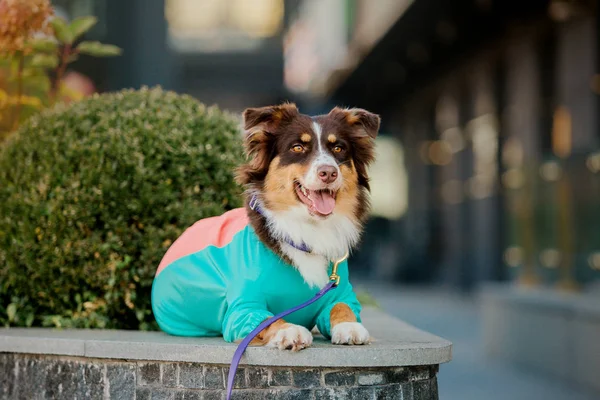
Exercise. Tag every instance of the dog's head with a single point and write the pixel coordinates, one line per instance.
(315, 163)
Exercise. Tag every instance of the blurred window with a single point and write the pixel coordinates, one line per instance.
(388, 179)
(222, 25)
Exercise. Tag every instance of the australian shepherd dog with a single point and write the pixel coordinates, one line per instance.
(306, 199)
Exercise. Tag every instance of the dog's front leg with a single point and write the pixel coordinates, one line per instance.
(344, 327)
(284, 336)
(244, 316)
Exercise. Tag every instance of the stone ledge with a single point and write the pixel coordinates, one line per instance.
(395, 343)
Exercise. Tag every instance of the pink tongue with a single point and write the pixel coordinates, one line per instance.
(323, 202)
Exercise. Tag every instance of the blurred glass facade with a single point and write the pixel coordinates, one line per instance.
(496, 106)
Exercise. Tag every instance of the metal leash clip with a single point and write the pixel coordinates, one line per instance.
(334, 277)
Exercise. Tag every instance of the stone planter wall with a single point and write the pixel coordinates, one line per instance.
(24, 376)
(401, 363)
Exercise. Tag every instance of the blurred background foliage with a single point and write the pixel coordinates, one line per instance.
(35, 49)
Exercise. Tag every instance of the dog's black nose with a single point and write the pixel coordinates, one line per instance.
(327, 173)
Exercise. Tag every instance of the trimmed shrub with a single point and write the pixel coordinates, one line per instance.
(91, 196)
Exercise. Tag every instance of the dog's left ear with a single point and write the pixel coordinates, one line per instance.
(364, 127)
(366, 124)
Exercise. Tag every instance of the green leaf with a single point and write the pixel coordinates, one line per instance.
(98, 49)
(81, 25)
(44, 61)
(28, 72)
(29, 320)
(62, 31)
(33, 72)
(140, 314)
(43, 44)
(11, 311)
(72, 58)
(39, 82)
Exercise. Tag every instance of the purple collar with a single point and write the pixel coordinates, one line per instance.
(254, 205)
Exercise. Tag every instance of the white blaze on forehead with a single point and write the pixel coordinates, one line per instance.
(323, 157)
(318, 132)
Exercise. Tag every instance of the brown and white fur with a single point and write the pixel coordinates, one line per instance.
(291, 157)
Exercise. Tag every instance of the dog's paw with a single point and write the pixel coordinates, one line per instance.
(349, 333)
(291, 337)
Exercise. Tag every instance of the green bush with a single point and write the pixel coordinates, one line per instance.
(91, 196)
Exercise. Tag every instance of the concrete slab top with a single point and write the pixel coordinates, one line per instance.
(395, 343)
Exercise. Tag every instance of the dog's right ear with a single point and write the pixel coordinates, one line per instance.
(268, 119)
(260, 127)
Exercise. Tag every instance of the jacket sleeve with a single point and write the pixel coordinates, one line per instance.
(343, 294)
(247, 308)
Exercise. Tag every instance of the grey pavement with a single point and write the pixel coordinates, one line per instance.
(470, 375)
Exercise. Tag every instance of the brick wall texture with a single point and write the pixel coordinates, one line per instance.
(24, 376)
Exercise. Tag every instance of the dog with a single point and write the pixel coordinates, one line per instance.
(306, 200)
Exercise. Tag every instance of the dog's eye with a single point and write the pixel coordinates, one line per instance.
(338, 149)
(297, 148)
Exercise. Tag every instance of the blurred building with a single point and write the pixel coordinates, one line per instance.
(496, 106)
(489, 165)
(225, 52)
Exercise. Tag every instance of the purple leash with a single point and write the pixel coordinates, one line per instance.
(237, 356)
